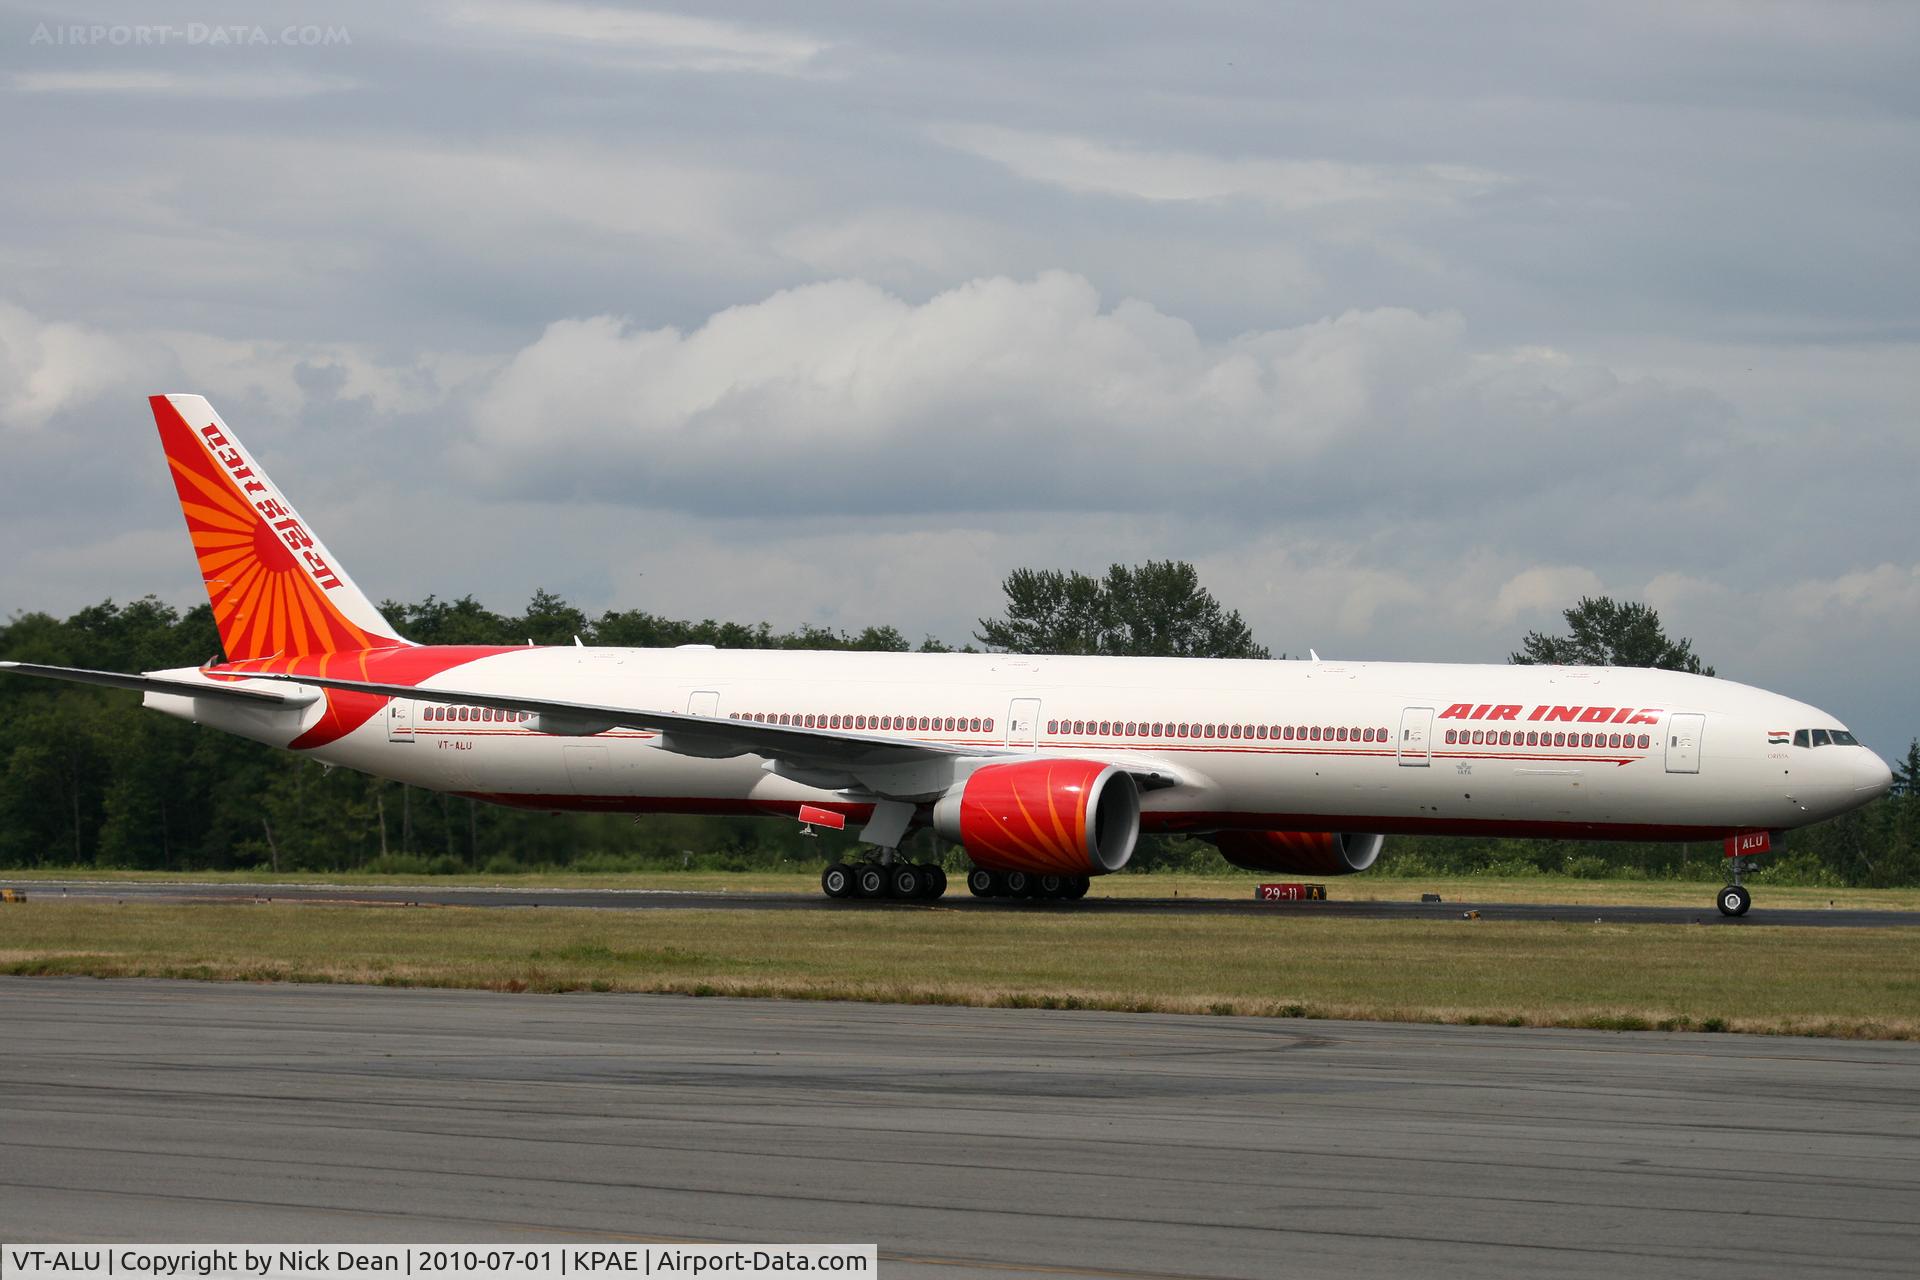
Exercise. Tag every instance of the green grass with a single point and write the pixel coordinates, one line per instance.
(1861, 983)
(1225, 884)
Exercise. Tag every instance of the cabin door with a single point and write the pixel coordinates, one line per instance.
(1416, 733)
(1023, 723)
(1683, 742)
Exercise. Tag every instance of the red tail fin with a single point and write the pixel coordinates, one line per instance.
(276, 590)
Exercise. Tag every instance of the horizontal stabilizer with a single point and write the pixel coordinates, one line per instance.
(249, 692)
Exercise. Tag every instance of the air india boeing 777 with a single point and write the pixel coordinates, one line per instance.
(1045, 769)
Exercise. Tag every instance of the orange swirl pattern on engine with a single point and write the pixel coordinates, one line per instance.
(265, 599)
(1030, 817)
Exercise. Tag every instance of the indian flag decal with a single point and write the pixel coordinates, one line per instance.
(1778, 737)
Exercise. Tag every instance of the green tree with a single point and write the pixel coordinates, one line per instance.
(1158, 609)
(1611, 633)
(1906, 772)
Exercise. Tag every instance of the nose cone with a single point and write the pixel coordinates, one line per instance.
(1872, 777)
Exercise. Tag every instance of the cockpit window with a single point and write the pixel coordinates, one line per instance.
(1802, 737)
(1841, 738)
(1821, 738)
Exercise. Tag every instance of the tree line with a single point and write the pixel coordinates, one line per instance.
(89, 778)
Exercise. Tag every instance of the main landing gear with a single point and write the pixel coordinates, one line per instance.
(1024, 884)
(907, 881)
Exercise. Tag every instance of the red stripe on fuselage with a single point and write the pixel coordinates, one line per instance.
(347, 711)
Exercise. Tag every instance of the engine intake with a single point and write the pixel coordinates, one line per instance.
(1065, 817)
(1306, 853)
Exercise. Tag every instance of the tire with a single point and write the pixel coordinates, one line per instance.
(837, 881)
(1050, 887)
(1734, 900)
(982, 884)
(1018, 884)
(1077, 888)
(870, 880)
(936, 883)
(906, 881)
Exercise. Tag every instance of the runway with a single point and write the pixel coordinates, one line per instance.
(958, 899)
(965, 1142)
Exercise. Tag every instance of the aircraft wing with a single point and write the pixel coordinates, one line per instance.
(836, 759)
(251, 691)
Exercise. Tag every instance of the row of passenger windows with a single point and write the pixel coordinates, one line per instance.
(486, 715)
(1534, 738)
(1188, 729)
(1824, 737)
(923, 724)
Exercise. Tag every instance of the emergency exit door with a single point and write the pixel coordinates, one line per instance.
(400, 720)
(1683, 742)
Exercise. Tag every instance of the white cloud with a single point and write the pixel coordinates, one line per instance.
(1087, 165)
(1543, 591)
(1036, 396)
(48, 366)
(642, 39)
(198, 84)
(52, 367)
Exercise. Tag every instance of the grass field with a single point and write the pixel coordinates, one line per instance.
(1672, 893)
(1861, 983)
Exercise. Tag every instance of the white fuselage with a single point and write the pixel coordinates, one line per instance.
(1374, 747)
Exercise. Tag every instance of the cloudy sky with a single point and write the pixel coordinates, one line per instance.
(1407, 323)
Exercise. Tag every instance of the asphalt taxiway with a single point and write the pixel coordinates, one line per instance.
(957, 898)
(965, 1142)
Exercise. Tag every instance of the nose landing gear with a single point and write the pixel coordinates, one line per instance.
(1734, 899)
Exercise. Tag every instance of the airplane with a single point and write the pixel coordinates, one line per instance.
(1046, 770)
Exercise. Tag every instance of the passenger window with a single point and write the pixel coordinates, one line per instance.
(989, 724)
(1450, 735)
(1053, 726)
(976, 725)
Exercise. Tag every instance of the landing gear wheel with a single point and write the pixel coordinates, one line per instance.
(1734, 900)
(837, 881)
(1077, 888)
(870, 880)
(1050, 887)
(907, 881)
(981, 884)
(936, 883)
(1018, 884)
